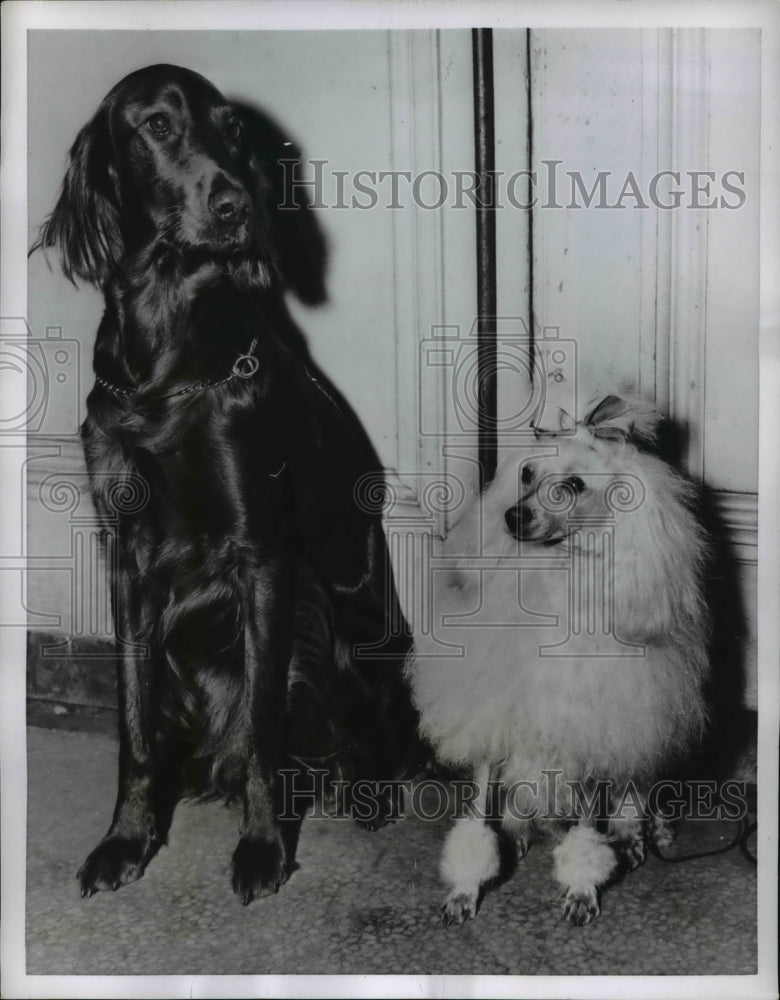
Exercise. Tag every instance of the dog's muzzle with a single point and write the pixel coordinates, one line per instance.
(518, 520)
(526, 525)
(228, 204)
(227, 221)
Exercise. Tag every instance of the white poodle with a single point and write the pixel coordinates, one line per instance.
(567, 653)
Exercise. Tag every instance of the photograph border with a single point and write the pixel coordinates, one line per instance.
(19, 17)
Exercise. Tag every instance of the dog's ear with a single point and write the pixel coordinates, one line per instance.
(84, 226)
(296, 242)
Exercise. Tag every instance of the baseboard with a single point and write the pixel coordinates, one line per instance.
(75, 718)
(71, 672)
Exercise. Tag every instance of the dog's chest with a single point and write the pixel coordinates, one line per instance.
(197, 478)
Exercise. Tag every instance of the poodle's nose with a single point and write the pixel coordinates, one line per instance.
(517, 518)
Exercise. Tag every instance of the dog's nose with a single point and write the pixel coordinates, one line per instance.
(516, 518)
(229, 204)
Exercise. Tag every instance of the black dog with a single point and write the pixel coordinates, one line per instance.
(252, 594)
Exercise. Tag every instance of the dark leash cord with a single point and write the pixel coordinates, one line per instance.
(745, 830)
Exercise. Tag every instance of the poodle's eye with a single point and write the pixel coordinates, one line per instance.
(527, 475)
(576, 484)
(159, 124)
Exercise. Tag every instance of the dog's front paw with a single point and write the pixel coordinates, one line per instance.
(116, 861)
(259, 868)
(580, 907)
(458, 907)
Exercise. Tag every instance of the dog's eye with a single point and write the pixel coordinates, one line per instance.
(233, 129)
(576, 484)
(159, 124)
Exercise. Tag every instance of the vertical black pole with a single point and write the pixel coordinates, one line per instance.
(529, 166)
(484, 142)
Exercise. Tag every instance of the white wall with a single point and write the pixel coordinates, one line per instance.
(668, 301)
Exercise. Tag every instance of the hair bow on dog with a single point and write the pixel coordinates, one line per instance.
(610, 419)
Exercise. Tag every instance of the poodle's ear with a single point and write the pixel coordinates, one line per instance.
(296, 244)
(84, 225)
(622, 420)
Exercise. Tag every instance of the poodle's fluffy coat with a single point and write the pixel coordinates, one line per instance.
(569, 635)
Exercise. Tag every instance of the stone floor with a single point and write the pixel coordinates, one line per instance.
(359, 903)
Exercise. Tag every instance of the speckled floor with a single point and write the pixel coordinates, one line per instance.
(359, 903)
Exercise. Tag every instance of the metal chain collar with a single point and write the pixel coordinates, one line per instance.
(245, 366)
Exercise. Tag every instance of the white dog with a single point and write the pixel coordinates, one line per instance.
(567, 652)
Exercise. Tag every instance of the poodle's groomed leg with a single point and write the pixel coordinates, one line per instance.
(470, 857)
(631, 833)
(583, 861)
(628, 826)
(628, 839)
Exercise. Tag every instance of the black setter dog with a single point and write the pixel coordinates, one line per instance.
(254, 603)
